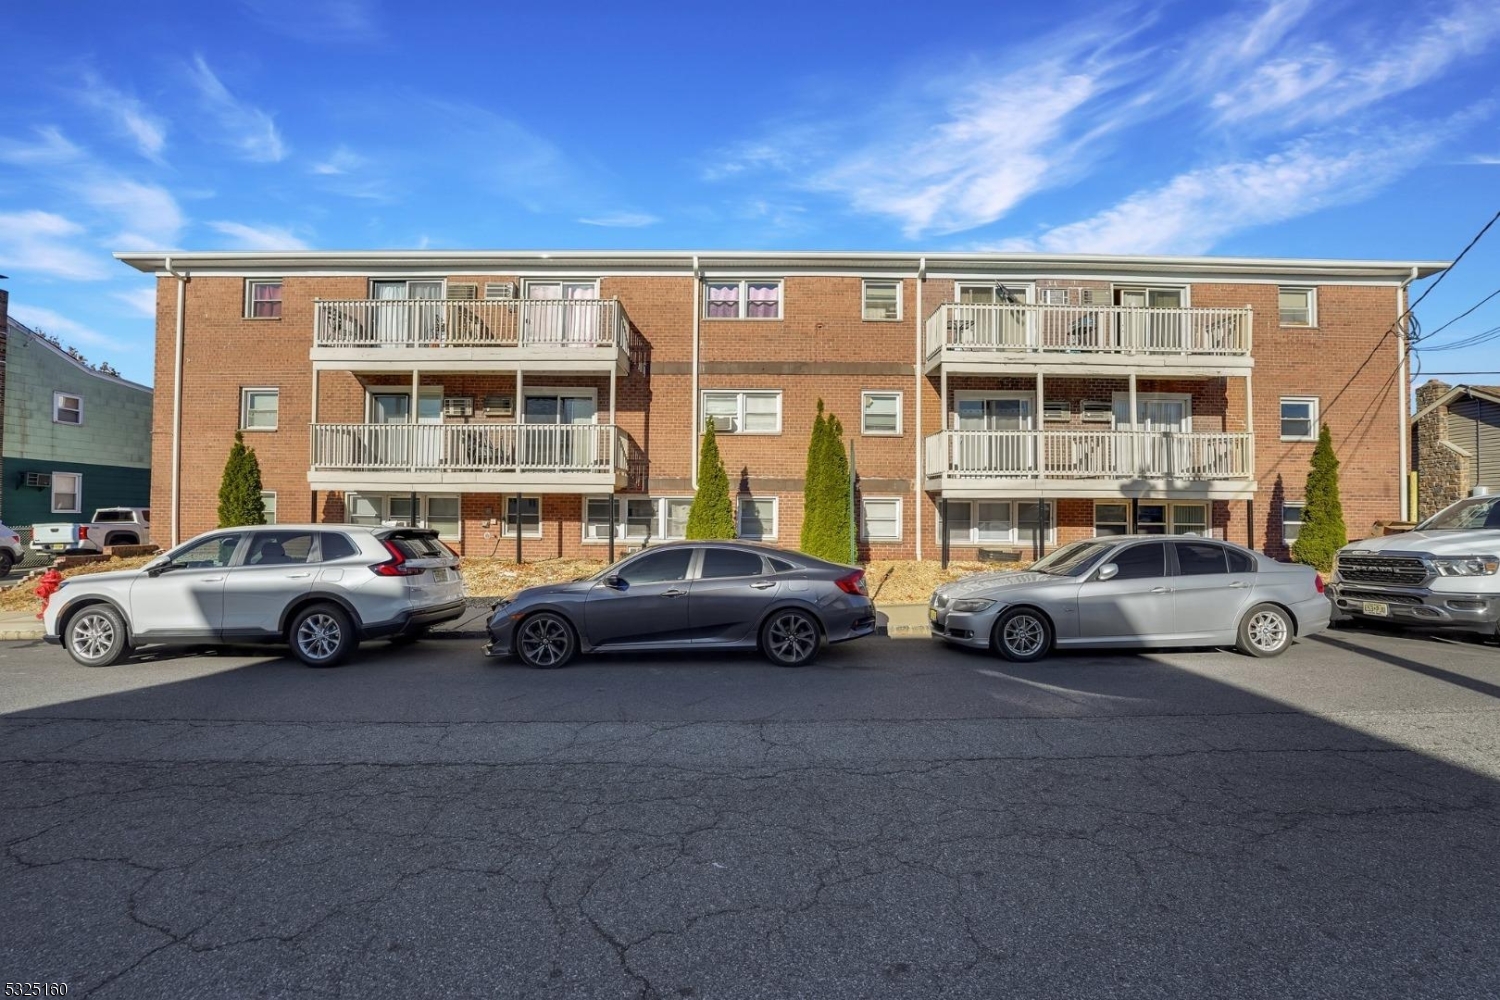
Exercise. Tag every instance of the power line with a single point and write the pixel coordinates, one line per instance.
(1451, 265)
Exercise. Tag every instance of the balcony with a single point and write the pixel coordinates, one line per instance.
(485, 458)
(1219, 466)
(485, 334)
(978, 339)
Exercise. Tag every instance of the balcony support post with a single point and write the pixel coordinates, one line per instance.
(1135, 439)
(411, 418)
(520, 410)
(943, 387)
(519, 529)
(612, 397)
(1039, 455)
(611, 528)
(315, 381)
(943, 527)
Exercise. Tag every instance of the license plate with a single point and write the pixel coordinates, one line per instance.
(440, 575)
(57, 547)
(932, 614)
(1376, 608)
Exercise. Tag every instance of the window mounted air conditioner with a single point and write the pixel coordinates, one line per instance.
(458, 406)
(40, 480)
(1057, 409)
(1097, 411)
(599, 532)
(723, 425)
(499, 289)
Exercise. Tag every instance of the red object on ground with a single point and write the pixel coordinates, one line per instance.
(48, 585)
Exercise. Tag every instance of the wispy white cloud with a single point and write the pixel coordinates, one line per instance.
(621, 220)
(1484, 159)
(325, 22)
(248, 237)
(341, 161)
(241, 125)
(127, 114)
(55, 323)
(50, 149)
(141, 301)
(45, 243)
(148, 213)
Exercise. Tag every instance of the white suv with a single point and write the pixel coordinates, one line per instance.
(319, 588)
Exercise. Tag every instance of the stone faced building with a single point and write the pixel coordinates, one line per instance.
(1456, 441)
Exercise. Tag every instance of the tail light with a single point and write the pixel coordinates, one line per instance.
(396, 565)
(83, 532)
(1318, 581)
(854, 583)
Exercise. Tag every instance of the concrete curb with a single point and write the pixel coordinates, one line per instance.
(21, 634)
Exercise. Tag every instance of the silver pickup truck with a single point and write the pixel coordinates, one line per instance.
(1445, 573)
(110, 526)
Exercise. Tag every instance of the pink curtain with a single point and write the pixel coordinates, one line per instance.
(764, 301)
(724, 301)
(265, 300)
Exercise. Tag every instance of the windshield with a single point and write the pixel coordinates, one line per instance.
(1473, 514)
(1075, 559)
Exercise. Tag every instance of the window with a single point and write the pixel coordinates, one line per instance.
(1291, 520)
(1299, 418)
(743, 412)
(211, 553)
(263, 299)
(743, 300)
(531, 517)
(757, 518)
(1055, 296)
(1175, 519)
(992, 521)
(443, 517)
(438, 513)
(1111, 519)
(721, 563)
(1141, 562)
(67, 493)
(337, 547)
(882, 300)
(259, 409)
(1200, 559)
(637, 519)
(676, 515)
(880, 519)
(275, 549)
(880, 413)
(993, 293)
(1239, 562)
(1298, 306)
(1189, 519)
(268, 500)
(665, 566)
(363, 509)
(985, 522)
(67, 408)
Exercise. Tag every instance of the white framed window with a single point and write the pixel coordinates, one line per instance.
(880, 413)
(268, 501)
(990, 293)
(1054, 296)
(1299, 418)
(991, 522)
(637, 519)
(881, 301)
(67, 493)
(263, 298)
(361, 508)
(1298, 306)
(440, 513)
(1111, 517)
(880, 519)
(747, 298)
(1291, 519)
(259, 409)
(67, 408)
(743, 411)
(530, 515)
(1171, 519)
(756, 518)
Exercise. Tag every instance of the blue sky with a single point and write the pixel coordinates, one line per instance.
(1287, 128)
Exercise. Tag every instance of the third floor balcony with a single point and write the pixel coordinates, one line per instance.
(983, 338)
(495, 334)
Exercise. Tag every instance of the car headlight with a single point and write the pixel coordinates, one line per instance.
(503, 602)
(1467, 566)
(971, 605)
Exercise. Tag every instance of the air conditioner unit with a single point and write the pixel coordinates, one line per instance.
(599, 532)
(41, 480)
(1086, 296)
(723, 425)
(458, 406)
(499, 406)
(1057, 409)
(1097, 411)
(499, 289)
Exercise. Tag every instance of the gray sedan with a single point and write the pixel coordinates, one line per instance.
(690, 595)
(1134, 592)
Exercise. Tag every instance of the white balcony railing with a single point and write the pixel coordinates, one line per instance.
(557, 448)
(1089, 455)
(513, 323)
(1057, 329)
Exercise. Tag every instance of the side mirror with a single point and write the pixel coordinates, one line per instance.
(1108, 572)
(155, 567)
(613, 582)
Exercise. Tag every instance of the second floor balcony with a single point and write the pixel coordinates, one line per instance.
(1184, 340)
(496, 334)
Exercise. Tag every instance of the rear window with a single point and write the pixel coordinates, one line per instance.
(720, 563)
(106, 516)
(1240, 562)
(337, 547)
(780, 565)
(418, 546)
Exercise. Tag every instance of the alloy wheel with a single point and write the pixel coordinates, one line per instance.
(1023, 635)
(545, 641)
(1268, 631)
(319, 636)
(791, 638)
(93, 636)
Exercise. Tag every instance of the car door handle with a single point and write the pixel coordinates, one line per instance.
(1161, 590)
(1239, 584)
(674, 593)
(298, 576)
(211, 579)
(763, 584)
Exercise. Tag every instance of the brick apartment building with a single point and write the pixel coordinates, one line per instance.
(987, 396)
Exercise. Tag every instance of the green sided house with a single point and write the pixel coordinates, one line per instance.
(75, 439)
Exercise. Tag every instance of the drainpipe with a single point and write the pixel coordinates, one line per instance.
(176, 503)
(1403, 442)
(918, 492)
(693, 404)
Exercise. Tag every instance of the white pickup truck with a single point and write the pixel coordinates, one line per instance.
(110, 526)
(1445, 573)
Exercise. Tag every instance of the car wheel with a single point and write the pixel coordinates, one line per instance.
(7, 562)
(1266, 630)
(95, 636)
(546, 641)
(790, 638)
(1023, 635)
(321, 635)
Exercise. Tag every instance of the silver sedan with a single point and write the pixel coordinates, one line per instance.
(690, 595)
(1134, 592)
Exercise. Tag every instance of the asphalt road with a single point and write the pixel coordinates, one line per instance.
(899, 820)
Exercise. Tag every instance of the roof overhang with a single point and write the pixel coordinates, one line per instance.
(1488, 393)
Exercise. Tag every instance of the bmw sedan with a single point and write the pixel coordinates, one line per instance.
(689, 595)
(1134, 592)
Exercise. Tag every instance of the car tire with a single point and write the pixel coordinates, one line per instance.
(791, 638)
(546, 641)
(7, 562)
(1022, 635)
(1265, 631)
(321, 635)
(95, 636)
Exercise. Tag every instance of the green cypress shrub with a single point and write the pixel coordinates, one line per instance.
(1323, 531)
(841, 498)
(240, 501)
(712, 514)
(812, 513)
